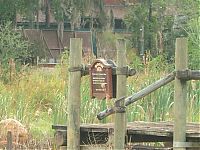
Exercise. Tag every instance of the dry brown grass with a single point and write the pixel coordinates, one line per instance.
(19, 132)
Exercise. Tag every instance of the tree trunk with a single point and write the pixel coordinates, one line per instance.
(142, 41)
(60, 31)
(75, 19)
(161, 50)
(150, 25)
(48, 12)
(37, 24)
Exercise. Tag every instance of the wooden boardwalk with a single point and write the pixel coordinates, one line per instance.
(136, 132)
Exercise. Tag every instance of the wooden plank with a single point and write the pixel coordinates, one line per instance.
(142, 147)
(136, 132)
(74, 98)
(136, 96)
(180, 93)
(120, 118)
(94, 147)
(90, 147)
(192, 128)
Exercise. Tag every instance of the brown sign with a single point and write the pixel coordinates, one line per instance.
(101, 79)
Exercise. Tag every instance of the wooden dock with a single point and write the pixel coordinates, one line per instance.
(137, 132)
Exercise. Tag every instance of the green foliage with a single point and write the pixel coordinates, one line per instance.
(135, 18)
(193, 31)
(159, 27)
(134, 61)
(72, 10)
(37, 48)
(159, 64)
(158, 106)
(39, 99)
(140, 20)
(12, 46)
(193, 100)
(8, 10)
(28, 8)
(107, 40)
(31, 97)
(58, 10)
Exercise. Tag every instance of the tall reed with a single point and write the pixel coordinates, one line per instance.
(38, 98)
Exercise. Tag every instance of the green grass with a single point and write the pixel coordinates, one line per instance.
(38, 99)
(155, 107)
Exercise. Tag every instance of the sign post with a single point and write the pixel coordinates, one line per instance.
(74, 98)
(102, 80)
(120, 117)
(180, 94)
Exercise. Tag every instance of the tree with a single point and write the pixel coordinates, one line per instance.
(150, 24)
(73, 10)
(8, 10)
(26, 8)
(12, 47)
(136, 21)
(190, 9)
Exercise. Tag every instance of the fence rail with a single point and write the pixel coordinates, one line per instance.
(144, 92)
(184, 75)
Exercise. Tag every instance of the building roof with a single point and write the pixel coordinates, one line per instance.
(113, 2)
(120, 2)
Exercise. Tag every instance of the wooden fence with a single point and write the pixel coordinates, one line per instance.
(181, 75)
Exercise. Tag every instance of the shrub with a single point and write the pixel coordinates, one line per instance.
(12, 47)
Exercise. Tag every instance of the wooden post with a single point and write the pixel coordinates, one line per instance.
(73, 124)
(37, 60)
(9, 140)
(12, 68)
(120, 118)
(181, 63)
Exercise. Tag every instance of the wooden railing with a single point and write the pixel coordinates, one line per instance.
(181, 76)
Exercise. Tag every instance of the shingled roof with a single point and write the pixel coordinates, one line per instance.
(113, 2)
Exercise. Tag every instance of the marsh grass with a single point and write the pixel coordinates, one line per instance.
(91, 107)
(156, 106)
(38, 99)
(29, 98)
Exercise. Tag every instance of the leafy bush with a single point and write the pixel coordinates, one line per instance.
(194, 46)
(12, 47)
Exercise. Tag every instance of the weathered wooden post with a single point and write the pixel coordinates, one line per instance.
(9, 141)
(12, 68)
(73, 123)
(181, 63)
(120, 117)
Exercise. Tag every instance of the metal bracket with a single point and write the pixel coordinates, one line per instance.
(185, 144)
(188, 74)
(83, 68)
(75, 69)
(184, 74)
(118, 107)
(125, 71)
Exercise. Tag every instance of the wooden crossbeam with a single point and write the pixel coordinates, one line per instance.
(144, 92)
